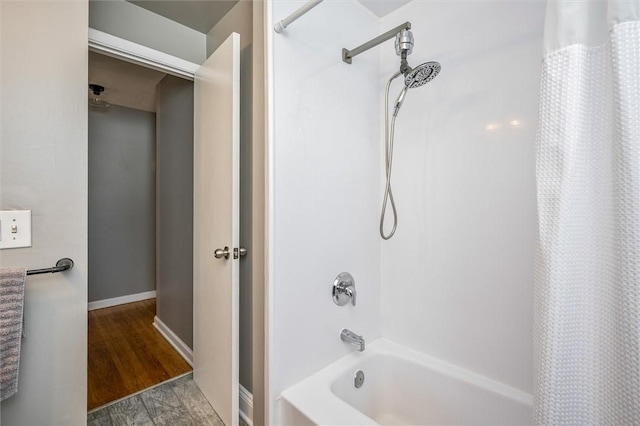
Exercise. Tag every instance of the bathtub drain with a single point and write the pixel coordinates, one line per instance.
(358, 379)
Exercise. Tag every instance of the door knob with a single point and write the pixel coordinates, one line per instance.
(220, 253)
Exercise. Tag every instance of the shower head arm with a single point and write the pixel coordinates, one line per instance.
(347, 55)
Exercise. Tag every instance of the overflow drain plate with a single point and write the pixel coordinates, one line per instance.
(358, 379)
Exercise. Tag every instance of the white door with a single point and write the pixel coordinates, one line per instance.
(216, 226)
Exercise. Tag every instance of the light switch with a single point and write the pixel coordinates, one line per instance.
(15, 229)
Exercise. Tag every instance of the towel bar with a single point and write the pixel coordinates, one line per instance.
(61, 265)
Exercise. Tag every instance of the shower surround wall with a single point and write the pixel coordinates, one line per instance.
(457, 277)
(326, 179)
(456, 281)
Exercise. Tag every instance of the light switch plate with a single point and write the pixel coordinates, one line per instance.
(15, 229)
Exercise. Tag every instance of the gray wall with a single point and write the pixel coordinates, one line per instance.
(43, 167)
(121, 202)
(174, 206)
(240, 20)
(131, 22)
(258, 144)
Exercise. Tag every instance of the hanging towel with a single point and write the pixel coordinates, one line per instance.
(11, 311)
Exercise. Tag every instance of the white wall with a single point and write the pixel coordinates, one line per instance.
(326, 183)
(456, 281)
(457, 277)
(44, 168)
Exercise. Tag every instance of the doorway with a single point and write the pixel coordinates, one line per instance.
(140, 228)
(217, 98)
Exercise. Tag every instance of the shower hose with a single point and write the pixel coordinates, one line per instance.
(388, 154)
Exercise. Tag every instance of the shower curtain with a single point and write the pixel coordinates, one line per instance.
(587, 296)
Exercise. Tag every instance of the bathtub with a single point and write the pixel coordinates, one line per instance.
(402, 387)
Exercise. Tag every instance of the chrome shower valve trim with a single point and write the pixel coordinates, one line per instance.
(344, 289)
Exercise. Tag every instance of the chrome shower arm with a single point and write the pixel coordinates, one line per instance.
(347, 55)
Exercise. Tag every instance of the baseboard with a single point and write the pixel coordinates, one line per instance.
(99, 304)
(246, 406)
(171, 337)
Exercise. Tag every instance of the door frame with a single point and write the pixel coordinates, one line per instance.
(125, 50)
(128, 51)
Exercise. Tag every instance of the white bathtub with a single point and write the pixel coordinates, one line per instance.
(402, 387)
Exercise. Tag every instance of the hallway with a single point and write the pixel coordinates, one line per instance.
(127, 354)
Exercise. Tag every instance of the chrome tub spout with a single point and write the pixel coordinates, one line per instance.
(352, 338)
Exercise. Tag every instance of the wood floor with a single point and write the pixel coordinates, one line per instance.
(127, 354)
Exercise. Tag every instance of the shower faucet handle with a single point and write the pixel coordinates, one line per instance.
(344, 289)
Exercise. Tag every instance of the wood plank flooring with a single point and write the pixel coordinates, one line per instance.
(127, 354)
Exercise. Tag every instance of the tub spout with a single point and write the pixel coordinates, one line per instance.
(352, 338)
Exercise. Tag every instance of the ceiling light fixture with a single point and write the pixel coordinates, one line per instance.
(94, 97)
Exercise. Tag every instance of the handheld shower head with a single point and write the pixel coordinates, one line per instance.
(400, 100)
(416, 77)
(413, 77)
(421, 74)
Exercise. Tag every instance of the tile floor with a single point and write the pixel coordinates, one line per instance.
(177, 402)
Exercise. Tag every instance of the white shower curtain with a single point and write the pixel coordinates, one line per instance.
(587, 298)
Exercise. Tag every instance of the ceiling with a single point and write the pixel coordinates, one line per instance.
(125, 84)
(134, 86)
(199, 15)
(202, 15)
(383, 7)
